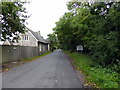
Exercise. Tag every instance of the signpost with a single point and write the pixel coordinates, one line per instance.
(80, 48)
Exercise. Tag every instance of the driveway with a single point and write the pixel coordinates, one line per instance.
(51, 71)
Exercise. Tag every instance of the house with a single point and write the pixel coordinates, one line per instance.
(31, 38)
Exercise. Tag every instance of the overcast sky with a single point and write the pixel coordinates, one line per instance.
(44, 14)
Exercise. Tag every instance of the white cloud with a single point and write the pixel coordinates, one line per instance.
(44, 14)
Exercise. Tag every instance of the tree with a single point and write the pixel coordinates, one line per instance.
(13, 19)
(53, 41)
(94, 25)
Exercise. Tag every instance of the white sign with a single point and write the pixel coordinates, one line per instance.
(79, 47)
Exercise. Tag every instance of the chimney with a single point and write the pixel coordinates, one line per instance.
(39, 32)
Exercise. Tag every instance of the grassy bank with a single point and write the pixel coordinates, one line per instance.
(95, 75)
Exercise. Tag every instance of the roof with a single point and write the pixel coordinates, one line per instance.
(47, 40)
(38, 37)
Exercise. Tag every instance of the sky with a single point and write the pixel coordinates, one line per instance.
(44, 14)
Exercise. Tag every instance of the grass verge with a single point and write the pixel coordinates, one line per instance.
(96, 76)
(34, 58)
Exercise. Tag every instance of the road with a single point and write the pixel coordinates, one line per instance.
(51, 71)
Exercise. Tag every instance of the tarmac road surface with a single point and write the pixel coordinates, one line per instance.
(51, 71)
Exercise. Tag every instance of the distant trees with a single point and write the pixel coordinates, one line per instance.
(53, 41)
(13, 19)
(96, 26)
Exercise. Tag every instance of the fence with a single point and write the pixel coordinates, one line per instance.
(10, 53)
(0, 56)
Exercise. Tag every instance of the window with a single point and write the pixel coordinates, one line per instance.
(22, 37)
(25, 37)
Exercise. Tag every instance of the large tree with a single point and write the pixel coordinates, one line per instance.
(94, 25)
(13, 19)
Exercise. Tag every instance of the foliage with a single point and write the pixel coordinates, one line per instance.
(53, 41)
(103, 77)
(13, 19)
(96, 26)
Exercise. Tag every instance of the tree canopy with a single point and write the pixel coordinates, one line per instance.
(53, 41)
(13, 19)
(96, 26)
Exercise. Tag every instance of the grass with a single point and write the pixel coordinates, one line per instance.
(96, 76)
(34, 58)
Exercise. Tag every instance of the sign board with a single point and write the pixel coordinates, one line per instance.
(79, 48)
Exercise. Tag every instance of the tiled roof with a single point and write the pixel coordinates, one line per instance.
(38, 37)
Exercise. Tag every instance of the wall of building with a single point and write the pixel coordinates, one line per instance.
(30, 40)
(43, 47)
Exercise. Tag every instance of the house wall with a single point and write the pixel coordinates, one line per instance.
(30, 42)
(43, 47)
(14, 53)
(48, 46)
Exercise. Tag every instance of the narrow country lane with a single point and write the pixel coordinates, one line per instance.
(51, 71)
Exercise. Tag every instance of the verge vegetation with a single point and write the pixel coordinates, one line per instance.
(36, 57)
(96, 76)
